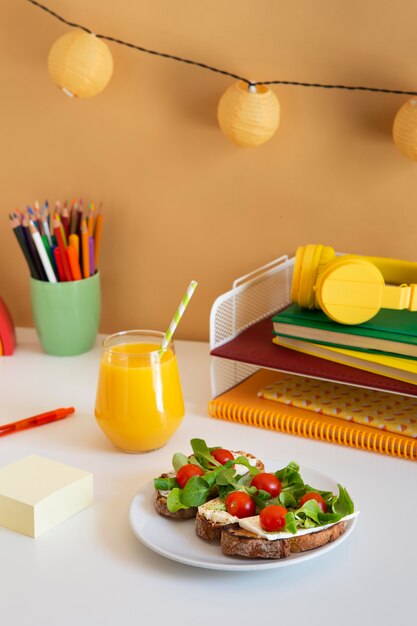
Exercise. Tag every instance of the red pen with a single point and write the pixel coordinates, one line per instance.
(36, 420)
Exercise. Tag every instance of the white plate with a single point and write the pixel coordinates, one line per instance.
(176, 539)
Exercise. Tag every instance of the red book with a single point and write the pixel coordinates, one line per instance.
(254, 345)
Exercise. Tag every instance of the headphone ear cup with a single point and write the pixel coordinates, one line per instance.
(309, 262)
(349, 290)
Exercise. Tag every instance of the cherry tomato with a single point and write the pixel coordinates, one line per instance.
(222, 456)
(186, 472)
(240, 504)
(267, 482)
(272, 518)
(311, 495)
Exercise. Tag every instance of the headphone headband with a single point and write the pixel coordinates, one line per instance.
(351, 289)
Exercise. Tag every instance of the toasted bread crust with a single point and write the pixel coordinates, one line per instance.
(160, 505)
(317, 539)
(240, 542)
(209, 530)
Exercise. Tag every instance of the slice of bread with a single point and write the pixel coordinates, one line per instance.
(160, 504)
(209, 530)
(240, 542)
(237, 541)
(160, 500)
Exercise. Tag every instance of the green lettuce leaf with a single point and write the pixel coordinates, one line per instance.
(178, 460)
(174, 502)
(195, 492)
(342, 504)
(165, 484)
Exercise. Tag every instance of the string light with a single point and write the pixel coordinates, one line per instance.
(259, 126)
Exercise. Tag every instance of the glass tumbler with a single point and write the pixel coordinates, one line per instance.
(139, 403)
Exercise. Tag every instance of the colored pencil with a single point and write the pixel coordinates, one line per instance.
(62, 250)
(40, 272)
(45, 225)
(64, 246)
(97, 238)
(74, 241)
(65, 222)
(74, 264)
(91, 255)
(90, 220)
(43, 255)
(73, 217)
(18, 231)
(85, 249)
(59, 266)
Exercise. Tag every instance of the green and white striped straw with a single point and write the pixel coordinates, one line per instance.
(178, 314)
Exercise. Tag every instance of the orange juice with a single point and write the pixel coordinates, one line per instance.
(139, 402)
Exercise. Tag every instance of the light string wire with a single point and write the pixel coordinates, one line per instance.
(211, 68)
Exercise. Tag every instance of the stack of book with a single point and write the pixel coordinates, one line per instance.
(385, 345)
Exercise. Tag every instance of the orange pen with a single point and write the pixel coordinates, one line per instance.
(36, 420)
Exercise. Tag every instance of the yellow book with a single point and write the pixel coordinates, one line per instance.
(392, 366)
(243, 405)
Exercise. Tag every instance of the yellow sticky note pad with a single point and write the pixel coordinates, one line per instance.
(37, 493)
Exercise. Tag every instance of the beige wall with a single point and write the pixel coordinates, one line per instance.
(180, 201)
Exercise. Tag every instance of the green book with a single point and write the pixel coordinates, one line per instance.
(389, 332)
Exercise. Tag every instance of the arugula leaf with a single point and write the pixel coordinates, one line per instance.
(178, 460)
(165, 484)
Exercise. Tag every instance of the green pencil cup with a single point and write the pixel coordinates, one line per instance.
(66, 314)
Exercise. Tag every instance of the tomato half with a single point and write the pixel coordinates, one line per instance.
(272, 518)
(222, 456)
(240, 504)
(186, 472)
(267, 482)
(311, 495)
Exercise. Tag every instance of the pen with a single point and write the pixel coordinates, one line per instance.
(36, 420)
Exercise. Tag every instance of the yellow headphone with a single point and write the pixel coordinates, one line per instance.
(351, 289)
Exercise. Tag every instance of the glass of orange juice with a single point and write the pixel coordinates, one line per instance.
(139, 403)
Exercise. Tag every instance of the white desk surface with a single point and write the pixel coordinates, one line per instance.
(91, 569)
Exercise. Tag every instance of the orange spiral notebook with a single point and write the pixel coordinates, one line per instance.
(241, 404)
